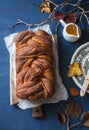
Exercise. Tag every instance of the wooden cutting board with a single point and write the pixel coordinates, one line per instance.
(36, 111)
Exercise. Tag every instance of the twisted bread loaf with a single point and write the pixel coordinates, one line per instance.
(34, 65)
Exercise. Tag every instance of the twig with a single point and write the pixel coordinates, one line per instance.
(20, 22)
(12, 26)
(52, 2)
(27, 24)
(64, 3)
(36, 24)
(78, 9)
(76, 124)
(84, 14)
(67, 121)
(80, 17)
(57, 26)
(46, 20)
(81, 5)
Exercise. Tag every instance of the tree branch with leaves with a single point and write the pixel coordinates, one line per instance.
(56, 12)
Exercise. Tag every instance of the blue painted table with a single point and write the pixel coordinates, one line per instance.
(11, 117)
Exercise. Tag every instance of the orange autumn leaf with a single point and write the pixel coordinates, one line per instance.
(45, 7)
(73, 108)
(74, 91)
(74, 70)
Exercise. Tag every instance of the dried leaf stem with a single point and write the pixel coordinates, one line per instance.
(52, 2)
(57, 26)
(74, 125)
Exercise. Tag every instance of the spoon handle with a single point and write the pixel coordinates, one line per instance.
(85, 85)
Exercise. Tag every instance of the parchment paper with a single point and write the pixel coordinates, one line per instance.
(60, 90)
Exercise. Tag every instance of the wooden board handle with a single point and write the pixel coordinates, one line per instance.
(37, 112)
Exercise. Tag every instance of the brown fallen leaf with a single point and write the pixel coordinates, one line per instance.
(85, 119)
(45, 7)
(74, 91)
(73, 108)
(74, 70)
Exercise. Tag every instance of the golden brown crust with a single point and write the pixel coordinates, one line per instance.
(23, 37)
(34, 65)
(44, 34)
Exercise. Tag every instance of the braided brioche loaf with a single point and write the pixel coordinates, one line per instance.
(34, 67)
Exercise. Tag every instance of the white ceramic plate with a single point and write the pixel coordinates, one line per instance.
(81, 55)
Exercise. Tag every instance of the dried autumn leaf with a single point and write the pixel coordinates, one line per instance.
(62, 117)
(45, 7)
(74, 70)
(58, 15)
(73, 109)
(74, 91)
(71, 18)
(85, 119)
